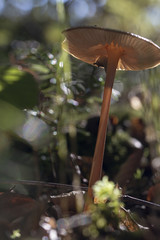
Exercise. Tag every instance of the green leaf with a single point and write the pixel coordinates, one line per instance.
(18, 88)
(40, 68)
(10, 116)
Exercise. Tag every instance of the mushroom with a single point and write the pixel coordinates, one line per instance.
(112, 50)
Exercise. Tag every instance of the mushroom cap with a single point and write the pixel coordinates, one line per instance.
(89, 45)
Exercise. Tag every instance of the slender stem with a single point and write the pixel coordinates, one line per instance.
(97, 163)
(141, 201)
(44, 184)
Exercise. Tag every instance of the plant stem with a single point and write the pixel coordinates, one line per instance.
(96, 170)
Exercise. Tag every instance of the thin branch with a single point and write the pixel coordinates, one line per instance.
(140, 201)
(44, 184)
(71, 187)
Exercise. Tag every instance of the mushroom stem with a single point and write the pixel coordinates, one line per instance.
(96, 170)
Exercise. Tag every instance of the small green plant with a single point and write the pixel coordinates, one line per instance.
(138, 174)
(106, 213)
(16, 234)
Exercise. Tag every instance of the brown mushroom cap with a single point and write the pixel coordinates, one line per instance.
(89, 45)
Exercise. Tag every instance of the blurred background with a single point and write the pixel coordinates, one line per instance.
(49, 113)
(50, 102)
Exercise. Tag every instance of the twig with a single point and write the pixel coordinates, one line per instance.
(41, 183)
(141, 202)
(67, 186)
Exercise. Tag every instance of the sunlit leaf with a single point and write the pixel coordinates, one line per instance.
(18, 88)
(40, 68)
(11, 117)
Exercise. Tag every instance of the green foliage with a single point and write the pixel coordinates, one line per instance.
(11, 117)
(16, 234)
(118, 145)
(106, 191)
(138, 174)
(18, 88)
(106, 213)
(59, 94)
